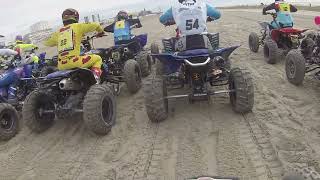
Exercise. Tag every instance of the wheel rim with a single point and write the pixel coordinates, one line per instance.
(266, 51)
(233, 95)
(291, 69)
(107, 110)
(250, 43)
(137, 75)
(165, 94)
(149, 64)
(43, 104)
(6, 120)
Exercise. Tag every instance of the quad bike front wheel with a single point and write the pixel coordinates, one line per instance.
(242, 95)
(295, 67)
(254, 42)
(9, 122)
(154, 50)
(132, 76)
(145, 62)
(270, 51)
(99, 109)
(155, 92)
(36, 113)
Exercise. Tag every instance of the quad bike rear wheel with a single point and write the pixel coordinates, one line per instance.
(254, 42)
(270, 51)
(132, 76)
(154, 50)
(9, 122)
(99, 109)
(155, 92)
(242, 97)
(295, 67)
(33, 111)
(159, 68)
(145, 62)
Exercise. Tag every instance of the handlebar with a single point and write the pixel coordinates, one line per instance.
(274, 15)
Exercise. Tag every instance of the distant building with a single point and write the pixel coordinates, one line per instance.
(39, 31)
(39, 26)
(144, 13)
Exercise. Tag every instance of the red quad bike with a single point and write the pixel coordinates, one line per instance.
(275, 41)
(306, 59)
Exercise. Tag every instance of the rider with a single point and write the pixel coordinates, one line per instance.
(121, 28)
(191, 17)
(26, 50)
(283, 10)
(68, 40)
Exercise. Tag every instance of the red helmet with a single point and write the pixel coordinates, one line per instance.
(122, 15)
(70, 16)
(317, 20)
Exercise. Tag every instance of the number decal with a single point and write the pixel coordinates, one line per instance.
(66, 41)
(120, 25)
(191, 24)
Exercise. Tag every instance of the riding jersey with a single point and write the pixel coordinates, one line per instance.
(122, 29)
(283, 10)
(190, 17)
(68, 38)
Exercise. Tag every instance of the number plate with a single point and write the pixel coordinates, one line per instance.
(116, 56)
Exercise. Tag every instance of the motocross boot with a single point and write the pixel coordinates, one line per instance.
(97, 72)
(12, 96)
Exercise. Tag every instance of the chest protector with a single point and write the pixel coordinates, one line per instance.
(122, 31)
(191, 17)
(284, 17)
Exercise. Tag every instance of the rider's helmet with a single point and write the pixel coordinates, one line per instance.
(317, 20)
(19, 39)
(122, 15)
(70, 16)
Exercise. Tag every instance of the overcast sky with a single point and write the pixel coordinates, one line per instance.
(18, 15)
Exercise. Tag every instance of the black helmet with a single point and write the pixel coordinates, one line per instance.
(70, 16)
(122, 15)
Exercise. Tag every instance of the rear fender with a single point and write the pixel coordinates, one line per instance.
(224, 52)
(171, 62)
(143, 39)
(85, 75)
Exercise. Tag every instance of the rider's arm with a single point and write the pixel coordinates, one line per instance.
(91, 27)
(268, 8)
(135, 22)
(212, 12)
(293, 8)
(109, 28)
(167, 18)
(52, 41)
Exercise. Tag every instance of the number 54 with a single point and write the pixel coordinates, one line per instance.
(192, 24)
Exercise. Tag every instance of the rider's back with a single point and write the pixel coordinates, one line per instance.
(191, 17)
(68, 38)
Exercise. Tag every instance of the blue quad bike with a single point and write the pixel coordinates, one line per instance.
(199, 70)
(68, 94)
(123, 63)
(17, 82)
